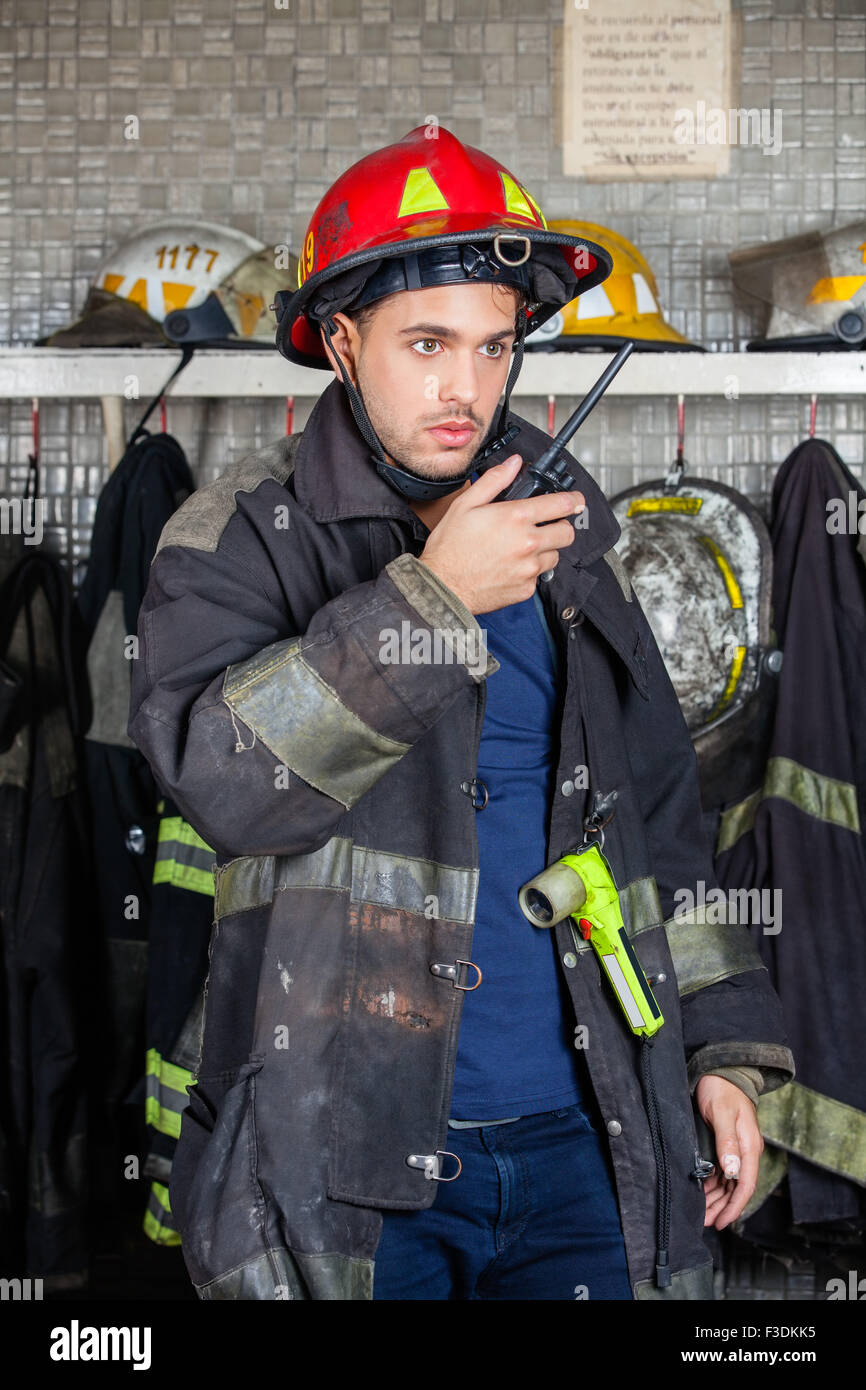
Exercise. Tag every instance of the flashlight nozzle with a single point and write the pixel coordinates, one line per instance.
(552, 895)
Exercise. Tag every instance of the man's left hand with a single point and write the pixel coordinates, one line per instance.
(739, 1144)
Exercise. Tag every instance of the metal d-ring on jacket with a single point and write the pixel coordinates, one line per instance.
(330, 784)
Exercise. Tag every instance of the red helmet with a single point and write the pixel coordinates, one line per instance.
(427, 191)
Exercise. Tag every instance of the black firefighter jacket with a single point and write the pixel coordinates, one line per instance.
(800, 835)
(333, 789)
(146, 487)
(49, 960)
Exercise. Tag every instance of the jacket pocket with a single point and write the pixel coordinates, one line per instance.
(215, 1196)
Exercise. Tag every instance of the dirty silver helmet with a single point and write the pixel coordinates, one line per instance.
(815, 285)
(700, 559)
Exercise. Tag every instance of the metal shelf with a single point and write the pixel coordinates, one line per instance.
(139, 373)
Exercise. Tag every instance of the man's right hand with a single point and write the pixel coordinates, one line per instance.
(491, 554)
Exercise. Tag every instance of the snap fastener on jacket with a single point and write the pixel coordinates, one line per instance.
(548, 574)
(570, 960)
(614, 1127)
(447, 971)
(431, 1164)
(136, 841)
(702, 1168)
(567, 612)
(567, 788)
(470, 789)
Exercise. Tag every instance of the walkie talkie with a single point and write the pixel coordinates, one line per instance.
(549, 472)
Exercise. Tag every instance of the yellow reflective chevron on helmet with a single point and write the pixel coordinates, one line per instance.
(836, 288)
(517, 200)
(421, 193)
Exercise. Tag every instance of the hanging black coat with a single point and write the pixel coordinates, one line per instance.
(800, 835)
(152, 479)
(46, 943)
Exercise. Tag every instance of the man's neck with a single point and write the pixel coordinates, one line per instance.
(431, 513)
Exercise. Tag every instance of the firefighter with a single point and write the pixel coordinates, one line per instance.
(405, 1089)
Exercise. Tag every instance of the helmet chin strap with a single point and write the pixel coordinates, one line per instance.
(408, 484)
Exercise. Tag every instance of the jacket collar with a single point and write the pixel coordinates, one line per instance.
(335, 478)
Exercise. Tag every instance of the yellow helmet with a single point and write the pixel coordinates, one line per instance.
(625, 308)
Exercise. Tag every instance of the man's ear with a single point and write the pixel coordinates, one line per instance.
(345, 342)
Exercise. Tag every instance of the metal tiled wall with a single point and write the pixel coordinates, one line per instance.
(248, 109)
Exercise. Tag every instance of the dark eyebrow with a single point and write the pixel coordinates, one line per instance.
(438, 330)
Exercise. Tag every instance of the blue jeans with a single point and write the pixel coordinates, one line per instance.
(533, 1215)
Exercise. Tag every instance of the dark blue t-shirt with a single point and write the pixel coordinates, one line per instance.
(516, 1047)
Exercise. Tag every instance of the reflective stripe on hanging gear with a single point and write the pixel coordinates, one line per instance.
(824, 798)
(816, 1128)
(166, 1094)
(158, 1223)
(183, 858)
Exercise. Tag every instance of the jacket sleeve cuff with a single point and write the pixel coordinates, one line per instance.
(749, 1079)
(442, 610)
(773, 1063)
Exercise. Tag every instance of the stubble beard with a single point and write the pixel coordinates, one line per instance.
(405, 453)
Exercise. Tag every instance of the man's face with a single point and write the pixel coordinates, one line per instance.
(430, 358)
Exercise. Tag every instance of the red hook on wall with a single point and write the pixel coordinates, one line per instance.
(31, 487)
(34, 425)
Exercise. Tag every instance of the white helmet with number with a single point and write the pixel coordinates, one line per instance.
(182, 281)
